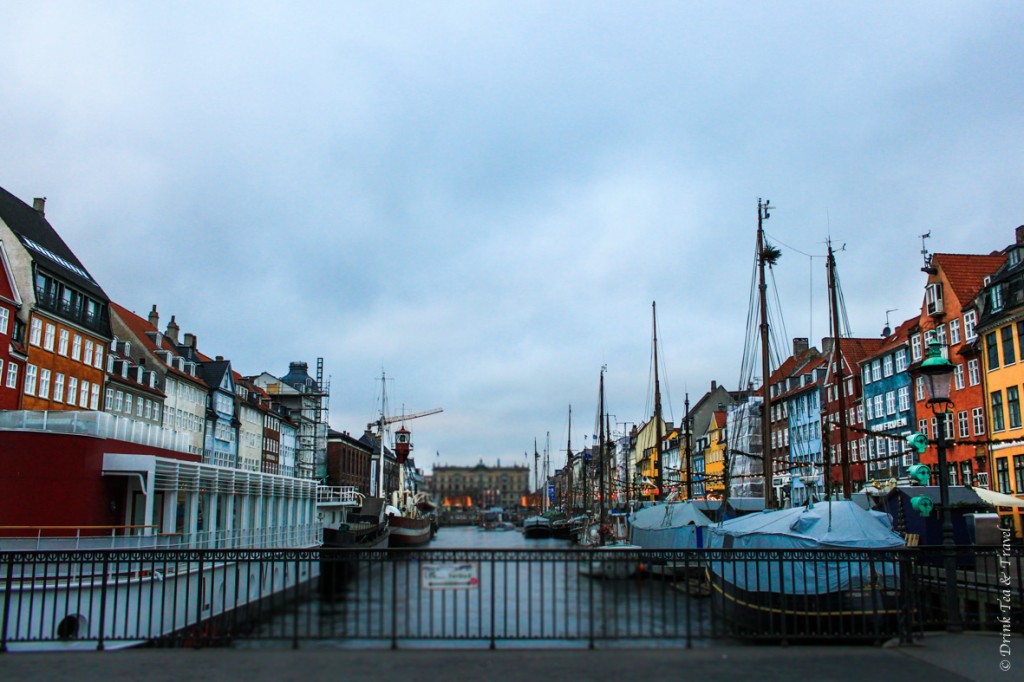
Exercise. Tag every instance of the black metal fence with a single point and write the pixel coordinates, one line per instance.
(576, 597)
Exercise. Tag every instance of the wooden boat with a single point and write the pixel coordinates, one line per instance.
(537, 527)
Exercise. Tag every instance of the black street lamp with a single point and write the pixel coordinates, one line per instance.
(938, 375)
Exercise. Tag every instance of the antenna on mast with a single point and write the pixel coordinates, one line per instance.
(924, 251)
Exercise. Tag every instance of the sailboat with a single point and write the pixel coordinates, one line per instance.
(801, 594)
(409, 514)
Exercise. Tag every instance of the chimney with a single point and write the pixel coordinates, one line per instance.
(800, 345)
(190, 340)
(220, 358)
(826, 345)
(39, 204)
(154, 317)
(1020, 234)
(172, 331)
(714, 385)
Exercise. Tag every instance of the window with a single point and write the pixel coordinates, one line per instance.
(992, 350)
(933, 298)
(128, 403)
(919, 389)
(970, 322)
(138, 407)
(119, 402)
(94, 397)
(31, 373)
(922, 426)
(49, 337)
(62, 345)
(83, 395)
(964, 423)
(1009, 350)
(44, 384)
(940, 334)
(5, 317)
(76, 348)
(1003, 474)
(12, 375)
(958, 377)
(72, 391)
(1020, 339)
(36, 331)
(996, 298)
(876, 371)
(915, 347)
(1018, 473)
(887, 366)
(869, 413)
(890, 402)
(87, 358)
(903, 395)
(954, 331)
(867, 376)
(901, 360)
(97, 361)
(997, 411)
(973, 372)
(108, 405)
(1013, 406)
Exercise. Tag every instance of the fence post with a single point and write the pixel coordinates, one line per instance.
(295, 599)
(7, 602)
(394, 604)
(590, 596)
(906, 596)
(494, 588)
(103, 600)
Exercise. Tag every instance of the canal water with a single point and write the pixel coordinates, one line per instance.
(466, 591)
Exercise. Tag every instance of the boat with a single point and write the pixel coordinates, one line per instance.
(494, 520)
(350, 521)
(411, 514)
(118, 494)
(537, 528)
(770, 591)
(604, 543)
(673, 525)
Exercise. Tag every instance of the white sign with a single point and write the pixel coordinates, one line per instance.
(450, 576)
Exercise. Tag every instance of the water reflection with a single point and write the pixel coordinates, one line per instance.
(532, 598)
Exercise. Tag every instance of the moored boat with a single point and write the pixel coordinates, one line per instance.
(776, 590)
(537, 528)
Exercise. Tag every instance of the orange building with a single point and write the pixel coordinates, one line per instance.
(65, 312)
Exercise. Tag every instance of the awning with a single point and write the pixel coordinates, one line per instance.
(998, 499)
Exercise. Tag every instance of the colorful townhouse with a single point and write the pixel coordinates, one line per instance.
(949, 316)
(803, 401)
(132, 395)
(1000, 329)
(184, 393)
(845, 357)
(65, 312)
(13, 354)
(784, 383)
(714, 456)
(887, 407)
(700, 414)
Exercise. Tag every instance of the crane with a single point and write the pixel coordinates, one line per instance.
(385, 421)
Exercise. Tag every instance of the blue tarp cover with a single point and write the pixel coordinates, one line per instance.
(676, 525)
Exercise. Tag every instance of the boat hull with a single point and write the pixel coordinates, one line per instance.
(406, 532)
(869, 613)
(337, 569)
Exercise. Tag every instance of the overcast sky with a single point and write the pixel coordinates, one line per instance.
(484, 198)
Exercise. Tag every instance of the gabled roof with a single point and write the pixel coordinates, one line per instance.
(8, 287)
(896, 339)
(140, 329)
(853, 351)
(214, 371)
(44, 244)
(966, 273)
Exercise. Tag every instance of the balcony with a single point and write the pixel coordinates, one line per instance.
(96, 320)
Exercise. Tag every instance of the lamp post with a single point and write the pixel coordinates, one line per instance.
(938, 374)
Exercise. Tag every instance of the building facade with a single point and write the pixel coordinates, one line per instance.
(481, 486)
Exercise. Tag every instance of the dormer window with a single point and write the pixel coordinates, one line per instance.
(1013, 257)
(996, 298)
(933, 298)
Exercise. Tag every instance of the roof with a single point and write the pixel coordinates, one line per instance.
(853, 351)
(46, 246)
(966, 273)
(897, 338)
(140, 329)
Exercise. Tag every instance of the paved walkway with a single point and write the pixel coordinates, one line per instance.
(937, 658)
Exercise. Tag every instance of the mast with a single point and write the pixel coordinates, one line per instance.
(379, 483)
(568, 466)
(766, 441)
(608, 459)
(600, 455)
(658, 474)
(547, 462)
(689, 473)
(837, 363)
(536, 470)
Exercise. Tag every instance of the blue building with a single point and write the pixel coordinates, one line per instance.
(803, 404)
(887, 406)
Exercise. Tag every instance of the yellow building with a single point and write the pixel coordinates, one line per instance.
(646, 463)
(1000, 328)
(714, 457)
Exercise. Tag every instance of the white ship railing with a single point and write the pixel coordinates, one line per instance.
(58, 538)
(99, 424)
(347, 495)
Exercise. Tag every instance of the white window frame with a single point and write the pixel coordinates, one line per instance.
(31, 375)
(974, 372)
(49, 337)
(72, 391)
(954, 331)
(35, 334)
(12, 375)
(76, 347)
(44, 383)
(5, 318)
(62, 342)
(970, 324)
(915, 347)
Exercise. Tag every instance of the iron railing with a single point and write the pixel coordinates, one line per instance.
(575, 597)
